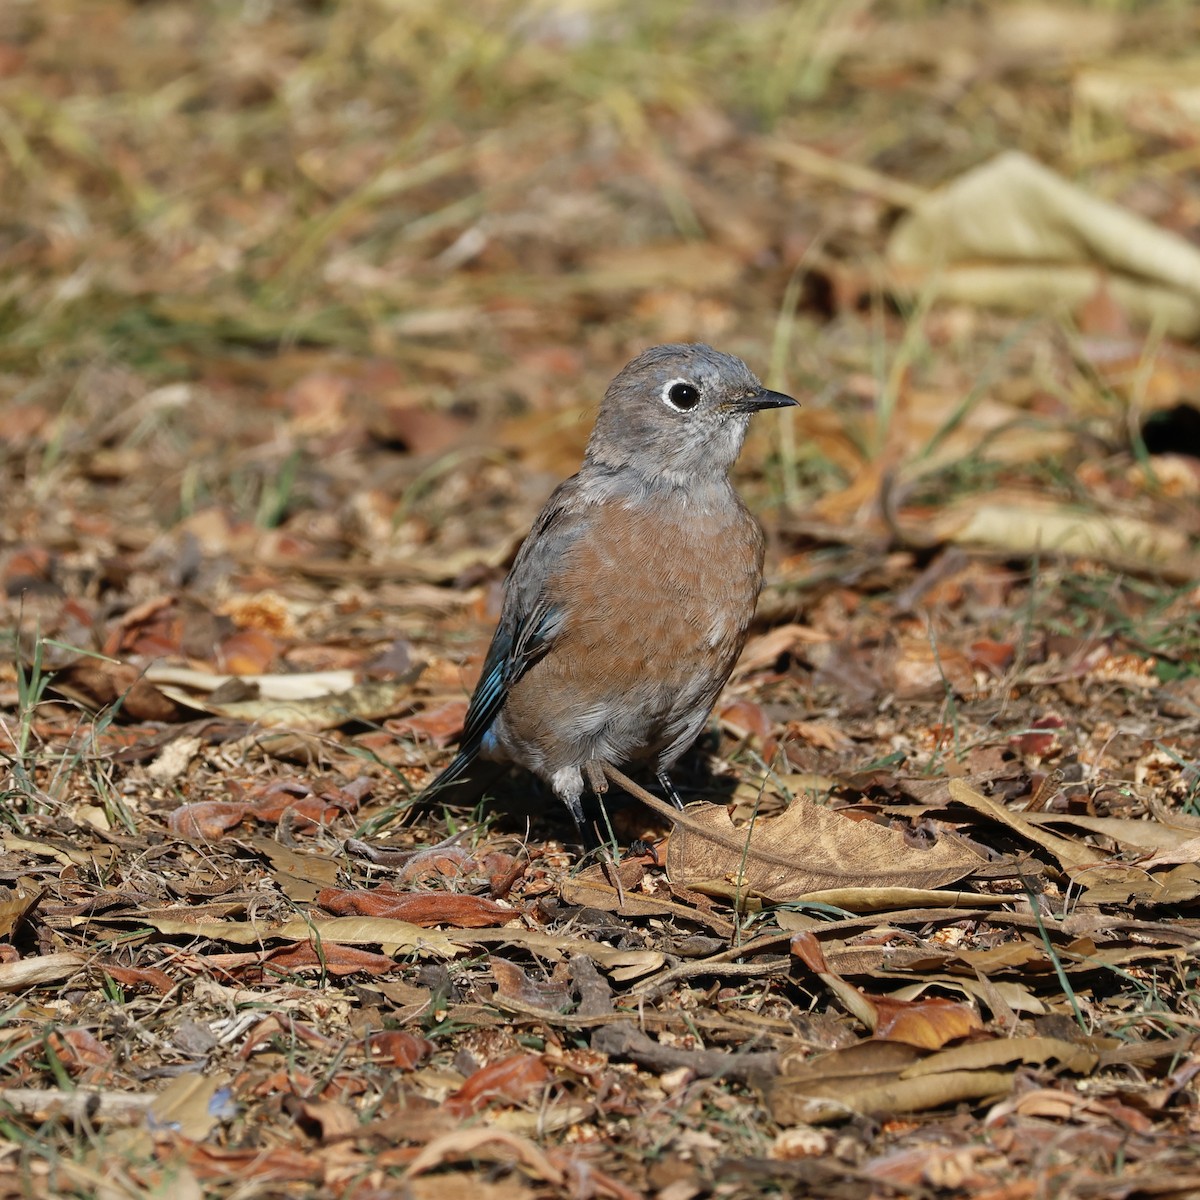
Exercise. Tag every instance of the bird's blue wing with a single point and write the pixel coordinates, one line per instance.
(529, 622)
(510, 655)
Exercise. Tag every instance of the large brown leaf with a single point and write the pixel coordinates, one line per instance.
(806, 849)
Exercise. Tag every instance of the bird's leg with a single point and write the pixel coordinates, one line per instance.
(664, 782)
(567, 785)
(593, 771)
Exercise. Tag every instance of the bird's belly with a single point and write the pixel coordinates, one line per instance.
(655, 625)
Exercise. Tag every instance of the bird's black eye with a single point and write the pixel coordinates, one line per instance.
(681, 395)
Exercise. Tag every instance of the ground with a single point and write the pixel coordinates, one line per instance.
(306, 308)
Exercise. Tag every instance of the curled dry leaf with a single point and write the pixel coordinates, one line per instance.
(372, 701)
(273, 1165)
(887, 1079)
(926, 1023)
(206, 820)
(921, 669)
(492, 1145)
(426, 909)
(1030, 524)
(136, 977)
(1070, 855)
(328, 958)
(335, 1119)
(439, 726)
(929, 1023)
(746, 719)
(1014, 234)
(45, 968)
(390, 934)
(247, 652)
(514, 985)
(396, 1048)
(78, 1049)
(99, 684)
(15, 904)
(509, 1081)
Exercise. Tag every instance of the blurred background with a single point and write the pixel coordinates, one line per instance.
(285, 284)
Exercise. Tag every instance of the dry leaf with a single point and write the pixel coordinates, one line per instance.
(510, 1081)
(1069, 854)
(806, 849)
(1012, 233)
(46, 968)
(365, 702)
(419, 908)
(14, 905)
(186, 1105)
(927, 1023)
(132, 977)
(1033, 525)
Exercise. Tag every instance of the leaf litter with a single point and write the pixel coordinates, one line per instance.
(277, 413)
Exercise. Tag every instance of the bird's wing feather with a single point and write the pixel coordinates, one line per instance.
(529, 620)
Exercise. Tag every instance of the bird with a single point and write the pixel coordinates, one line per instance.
(630, 600)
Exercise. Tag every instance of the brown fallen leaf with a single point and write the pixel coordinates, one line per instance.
(1070, 855)
(133, 977)
(372, 701)
(247, 652)
(15, 904)
(1061, 1104)
(492, 1145)
(921, 669)
(396, 1048)
(328, 958)
(185, 1105)
(301, 876)
(927, 1023)
(806, 849)
(419, 908)
(1120, 883)
(98, 684)
(45, 968)
(868, 1078)
(1015, 234)
(509, 1081)
(767, 648)
(439, 726)
(994, 1052)
(745, 719)
(1031, 524)
(335, 1119)
(379, 931)
(593, 888)
(207, 820)
(513, 984)
(78, 1049)
(274, 1164)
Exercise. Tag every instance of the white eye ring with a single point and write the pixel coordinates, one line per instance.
(680, 394)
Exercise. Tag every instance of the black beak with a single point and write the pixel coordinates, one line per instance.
(765, 399)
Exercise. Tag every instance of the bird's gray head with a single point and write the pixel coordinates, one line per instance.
(678, 413)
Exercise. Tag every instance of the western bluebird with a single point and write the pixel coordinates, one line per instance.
(629, 602)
